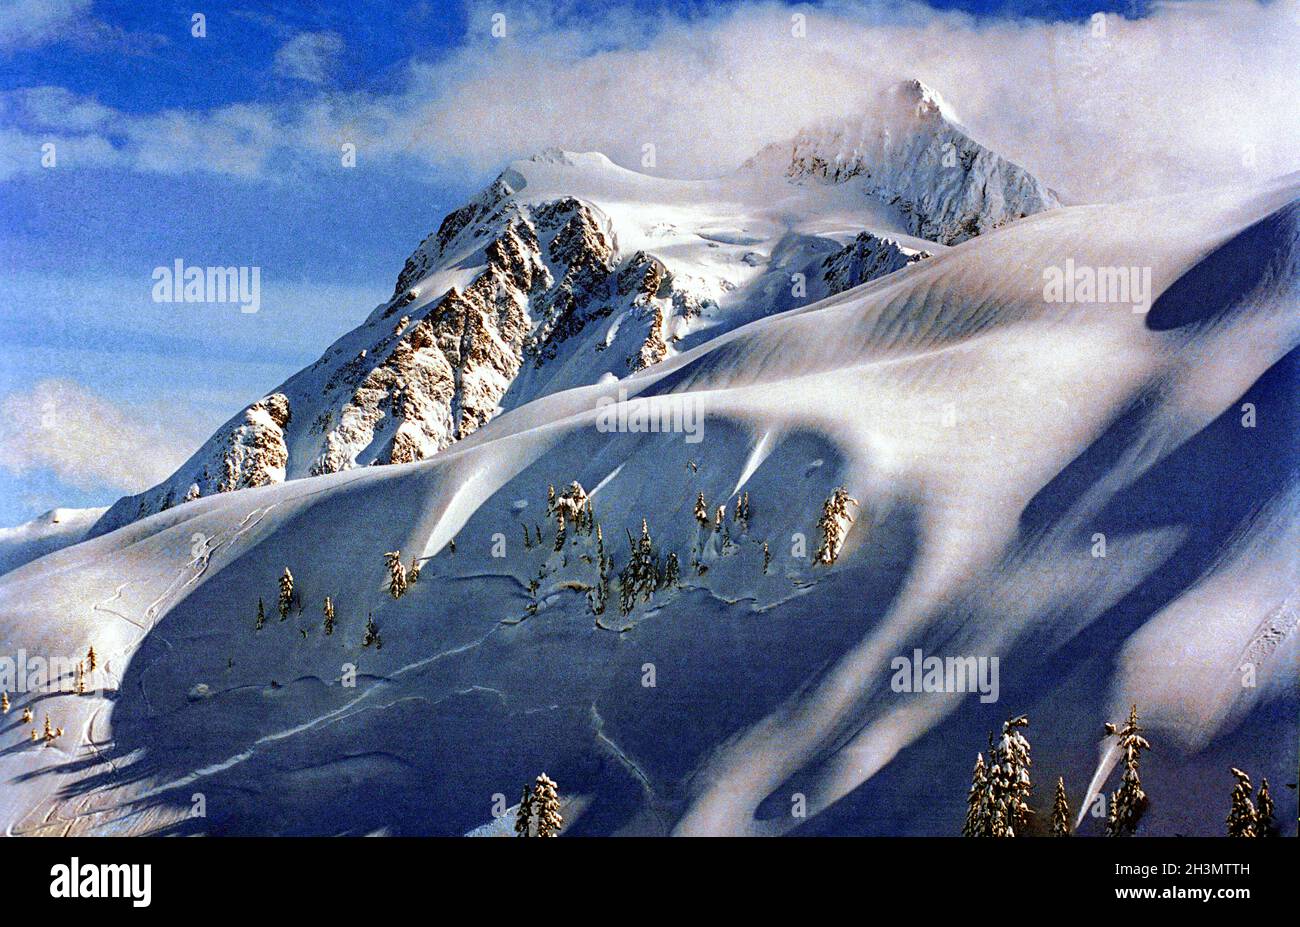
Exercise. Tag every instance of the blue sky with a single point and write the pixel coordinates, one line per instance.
(225, 150)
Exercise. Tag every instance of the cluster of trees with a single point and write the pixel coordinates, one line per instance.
(834, 525)
(643, 574)
(539, 810)
(997, 804)
(49, 734)
(1247, 818)
(401, 578)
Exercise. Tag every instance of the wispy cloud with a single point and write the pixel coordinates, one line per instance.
(1192, 95)
(309, 56)
(33, 23)
(87, 441)
(30, 24)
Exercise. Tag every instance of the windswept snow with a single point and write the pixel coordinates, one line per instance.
(989, 437)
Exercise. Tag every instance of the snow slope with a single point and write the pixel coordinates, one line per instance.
(53, 530)
(989, 437)
(569, 268)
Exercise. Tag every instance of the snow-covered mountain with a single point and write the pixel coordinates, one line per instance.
(569, 268)
(911, 153)
(1103, 499)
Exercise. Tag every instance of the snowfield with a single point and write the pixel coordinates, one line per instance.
(989, 437)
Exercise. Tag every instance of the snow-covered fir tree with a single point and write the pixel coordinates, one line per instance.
(27, 716)
(546, 799)
(834, 525)
(81, 678)
(286, 593)
(574, 508)
(1060, 811)
(329, 616)
(598, 595)
(1242, 816)
(741, 512)
(524, 816)
(4, 703)
(701, 511)
(1129, 801)
(371, 635)
(640, 578)
(413, 572)
(396, 574)
(1265, 824)
(1003, 808)
(672, 572)
(92, 660)
(261, 616)
(975, 810)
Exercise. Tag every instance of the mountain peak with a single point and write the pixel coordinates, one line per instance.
(565, 158)
(923, 99)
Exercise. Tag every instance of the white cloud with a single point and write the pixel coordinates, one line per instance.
(1179, 99)
(86, 440)
(309, 56)
(32, 23)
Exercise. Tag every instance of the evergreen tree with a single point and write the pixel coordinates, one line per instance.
(561, 533)
(701, 511)
(641, 575)
(718, 517)
(81, 678)
(1008, 785)
(1060, 811)
(286, 593)
(834, 525)
(547, 800)
(975, 811)
(1265, 825)
(27, 716)
(599, 594)
(672, 572)
(261, 617)
(48, 733)
(372, 634)
(524, 817)
(329, 616)
(1242, 817)
(396, 574)
(4, 702)
(528, 540)
(767, 558)
(413, 572)
(91, 660)
(1128, 802)
(741, 513)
